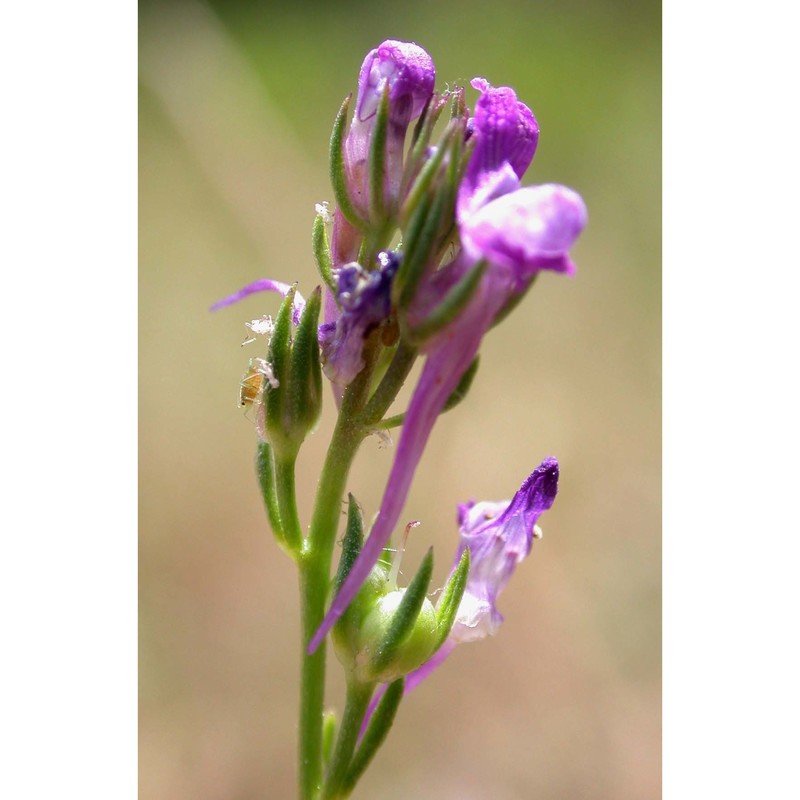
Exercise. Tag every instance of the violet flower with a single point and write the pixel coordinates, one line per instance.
(530, 230)
(365, 301)
(409, 73)
(499, 537)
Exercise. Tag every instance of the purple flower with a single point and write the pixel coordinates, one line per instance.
(409, 73)
(499, 536)
(364, 298)
(527, 231)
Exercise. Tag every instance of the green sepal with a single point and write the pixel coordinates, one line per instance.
(423, 181)
(329, 724)
(265, 470)
(458, 106)
(322, 252)
(423, 131)
(377, 159)
(404, 617)
(451, 305)
(418, 244)
(346, 632)
(352, 542)
(275, 399)
(448, 604)
(377, 730)
(304, 401)
(338, 176)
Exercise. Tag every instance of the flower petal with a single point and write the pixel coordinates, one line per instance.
(263, 285)
(499, 536)
(527, 230)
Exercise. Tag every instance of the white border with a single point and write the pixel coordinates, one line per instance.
(68, 587)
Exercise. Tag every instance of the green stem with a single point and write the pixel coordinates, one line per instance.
(358, 697)
(315, 564)
(315, 567)
(287, 503)
(391, 384)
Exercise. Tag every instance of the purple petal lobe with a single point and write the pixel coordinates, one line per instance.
(527, 230)
(264, 285)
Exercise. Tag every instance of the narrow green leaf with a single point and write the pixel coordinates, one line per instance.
(353, 541)
(421, 242)
(405, 616)
(447, 608)
(279, 357)
(322, 252)
(423, 132)
(377, 730)
(304, 401)
(265, 470)
(338, 176)
(424, 179)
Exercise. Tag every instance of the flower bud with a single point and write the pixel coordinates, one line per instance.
(386, 632)
(292, 404)
(402, 74)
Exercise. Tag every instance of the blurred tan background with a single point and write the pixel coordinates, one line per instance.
(236, 105)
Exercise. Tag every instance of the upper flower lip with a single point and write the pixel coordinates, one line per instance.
(505, 132)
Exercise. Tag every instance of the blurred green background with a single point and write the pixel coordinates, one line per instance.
(236, 105)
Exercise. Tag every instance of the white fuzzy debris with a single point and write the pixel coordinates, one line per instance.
(324, 211)
(260, 327)
(537, 532)
(263, 367)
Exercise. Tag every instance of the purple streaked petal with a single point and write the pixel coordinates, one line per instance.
(499, 536)
(527, 230)
(505, 132)
(264, 285)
